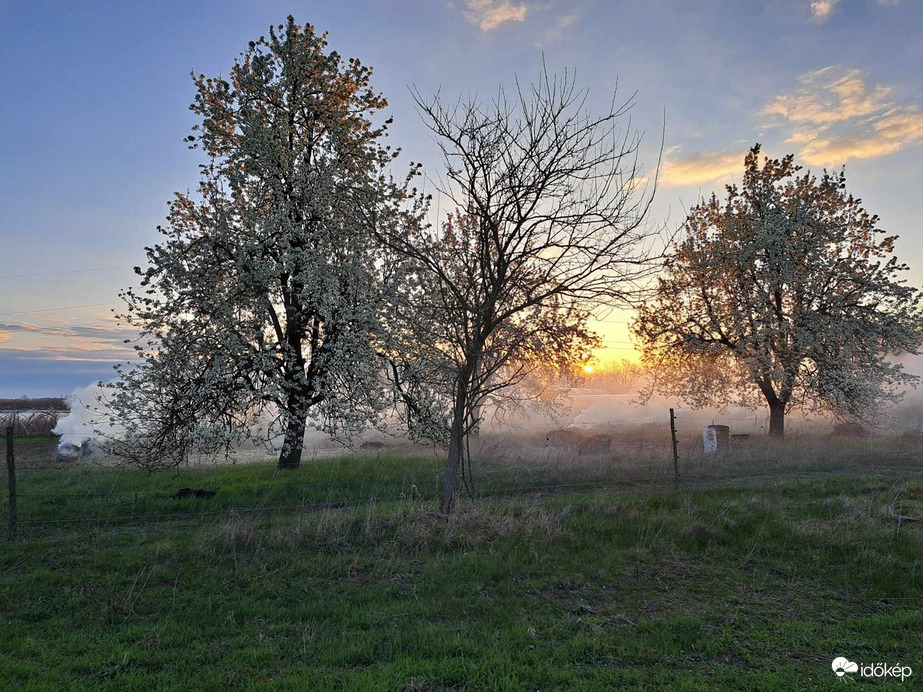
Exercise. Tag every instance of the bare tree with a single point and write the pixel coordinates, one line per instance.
(785, 291)
(548, 224)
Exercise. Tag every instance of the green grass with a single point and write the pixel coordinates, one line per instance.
(727, 585)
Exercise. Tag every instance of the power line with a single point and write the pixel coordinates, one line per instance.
(40, 327)
(106, 339)
(45, 329)
(65, 271)
(68, 307)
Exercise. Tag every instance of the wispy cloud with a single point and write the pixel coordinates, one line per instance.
(700, 167)
(828, 96)
(567, 20)
(837, 116)
(89, 331)
(489, 14)
(556, 29)
(822, 9)
(51, 372)
(74, 340)
(60, 355)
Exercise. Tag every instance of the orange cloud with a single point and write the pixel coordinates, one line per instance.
(825, 98)
(702, 167)
(839, 117)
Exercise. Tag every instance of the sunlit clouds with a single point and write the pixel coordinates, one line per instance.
(822, 9)
(490, 14)
(45, 358)
(68, 341)
(828, 96)
(838, 116)
(699, 168)
(65, 354)
(833, 116)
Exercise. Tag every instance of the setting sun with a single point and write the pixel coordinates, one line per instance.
(588, 369)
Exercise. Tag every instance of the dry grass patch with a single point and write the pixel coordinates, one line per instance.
(409, 529)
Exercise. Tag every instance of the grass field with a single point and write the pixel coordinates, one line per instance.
(569, 572)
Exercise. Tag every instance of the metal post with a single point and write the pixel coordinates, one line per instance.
(675, 451)
(11, 477)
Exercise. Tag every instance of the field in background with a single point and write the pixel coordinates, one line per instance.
(578, 566)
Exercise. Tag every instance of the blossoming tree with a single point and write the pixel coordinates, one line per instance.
(785, 291)
(262, 300)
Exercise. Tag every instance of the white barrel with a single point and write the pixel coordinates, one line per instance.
(716, 438)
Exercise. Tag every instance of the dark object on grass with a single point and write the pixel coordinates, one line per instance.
(197, 492)
(851, 430)
(740, 437)
(69, 452)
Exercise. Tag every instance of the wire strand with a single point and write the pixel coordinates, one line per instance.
(65, 271)
(67, 307)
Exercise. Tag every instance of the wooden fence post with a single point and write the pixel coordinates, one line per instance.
(675, 452)
(11, 478)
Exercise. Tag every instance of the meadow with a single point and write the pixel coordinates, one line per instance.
(572, 567)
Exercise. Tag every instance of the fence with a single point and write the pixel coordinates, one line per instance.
(52, 493)
(12, 530)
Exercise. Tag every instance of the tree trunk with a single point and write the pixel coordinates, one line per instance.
(456, 448)
(290, 456)
(777, 419)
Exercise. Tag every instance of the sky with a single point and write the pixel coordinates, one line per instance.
(97, 96)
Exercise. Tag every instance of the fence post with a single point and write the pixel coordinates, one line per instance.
(675, 452)
(11, 478)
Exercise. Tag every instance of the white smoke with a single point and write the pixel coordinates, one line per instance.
(87, 420)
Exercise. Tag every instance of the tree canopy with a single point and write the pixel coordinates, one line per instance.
(262, 302)
(785, 291)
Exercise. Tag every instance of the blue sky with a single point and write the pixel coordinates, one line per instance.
(98, 94)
